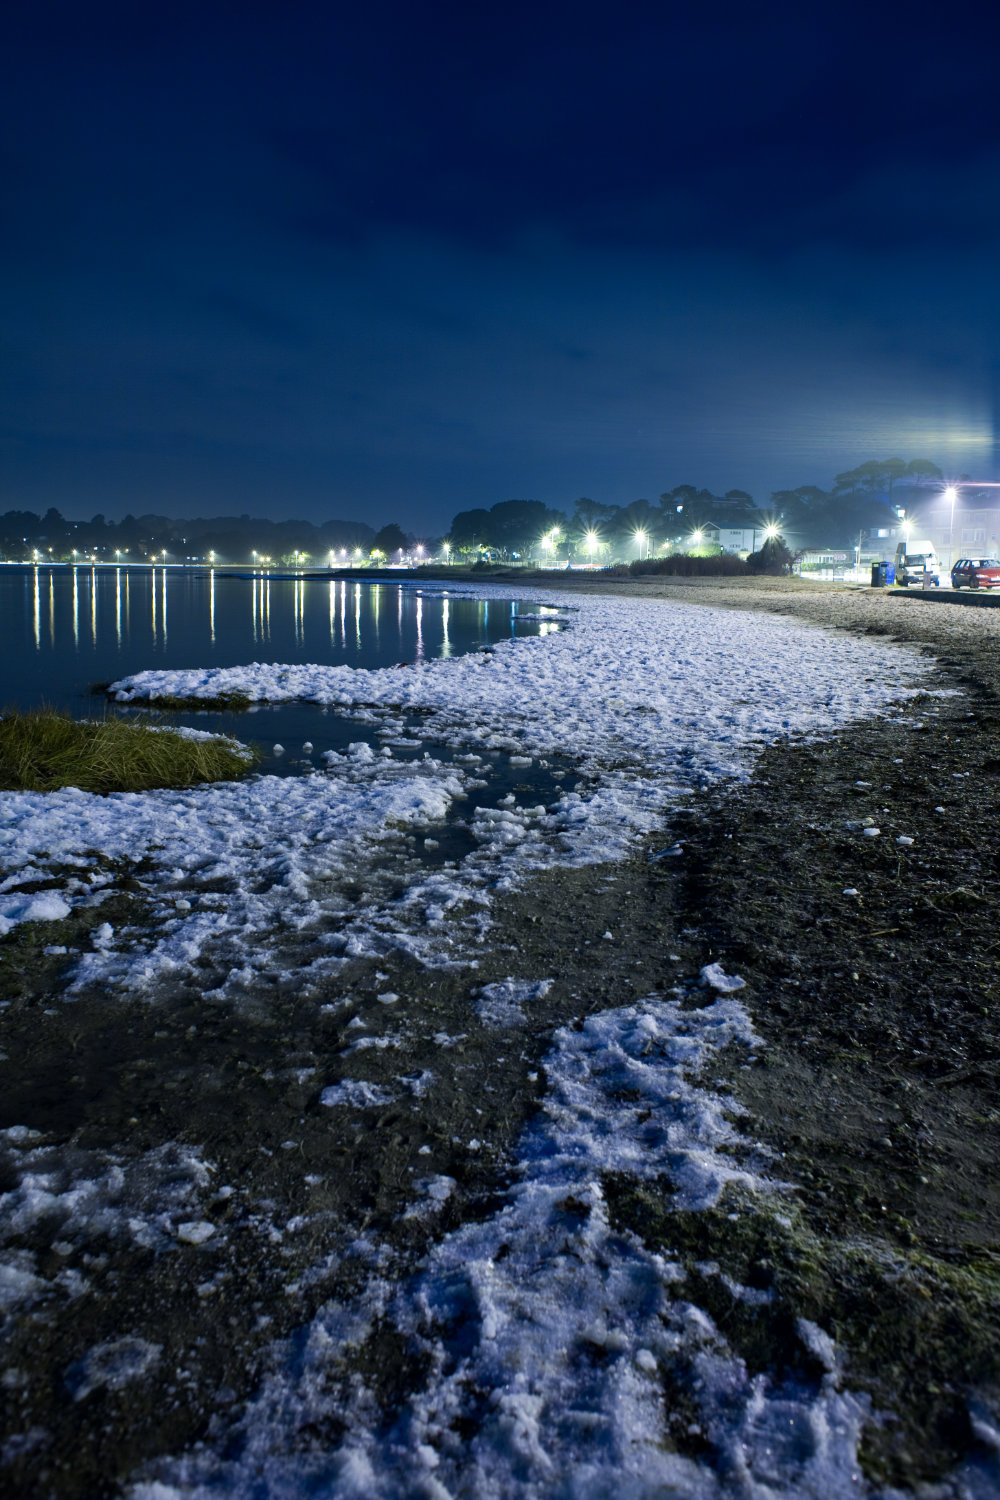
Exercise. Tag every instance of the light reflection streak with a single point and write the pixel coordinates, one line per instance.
(128, 605)
(152, 575)
(299, 588)
(52, 611)
(211, 604)
(357, 614)
(255, 605)
(445, 638)
(163, 608)
(333, 613)
(376, 601)
(399, 619)
(266, 617)
(420, 628)
(38, 614)
(343, 613)
(118, 604)
(93, 605)
(76, 609)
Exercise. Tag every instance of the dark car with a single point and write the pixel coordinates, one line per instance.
(976, 573)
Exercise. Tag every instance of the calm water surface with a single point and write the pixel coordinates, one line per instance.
(65, 630)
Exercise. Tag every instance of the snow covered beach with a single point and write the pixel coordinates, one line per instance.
(534, 1337)
(642, 713)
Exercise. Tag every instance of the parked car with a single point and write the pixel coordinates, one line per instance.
(976, 573)
(916, 562)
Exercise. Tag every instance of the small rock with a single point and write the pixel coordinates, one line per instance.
(277, 749)
(904, 838)
(870, 833)
(849, 891)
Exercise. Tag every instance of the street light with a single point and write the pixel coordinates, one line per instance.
(640, 539)
(592, 541)
(951, 493)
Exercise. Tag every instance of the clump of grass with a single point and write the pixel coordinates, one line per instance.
(42, 751)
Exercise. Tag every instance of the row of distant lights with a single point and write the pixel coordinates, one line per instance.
(592, 540)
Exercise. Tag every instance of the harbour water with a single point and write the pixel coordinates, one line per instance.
(69, 631)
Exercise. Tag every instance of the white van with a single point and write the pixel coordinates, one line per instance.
(916, 562)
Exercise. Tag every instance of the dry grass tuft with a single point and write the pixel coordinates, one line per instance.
(43, 750)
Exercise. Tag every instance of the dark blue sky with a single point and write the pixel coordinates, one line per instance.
(391, 261)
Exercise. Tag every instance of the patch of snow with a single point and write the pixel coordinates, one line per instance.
(714, 978)
(42, 906)
(502, 1004)
(356, 1092)
(113, 1365)
(541, 1328)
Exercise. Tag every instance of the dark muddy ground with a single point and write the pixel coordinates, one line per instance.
(875, 1095)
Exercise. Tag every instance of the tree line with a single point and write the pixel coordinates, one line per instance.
(229, 537)
(860, 499)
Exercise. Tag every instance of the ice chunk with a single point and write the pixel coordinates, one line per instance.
(713, 976)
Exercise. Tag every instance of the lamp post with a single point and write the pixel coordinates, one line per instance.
(951, 493)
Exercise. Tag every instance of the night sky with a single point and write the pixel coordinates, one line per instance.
(389, 261)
